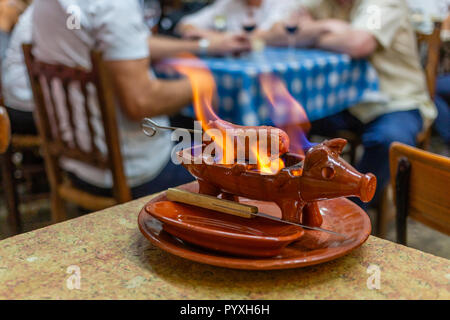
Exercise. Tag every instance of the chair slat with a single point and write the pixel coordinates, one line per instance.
(88, 112)
(70, 113)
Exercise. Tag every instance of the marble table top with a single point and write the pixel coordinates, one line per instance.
(104, 256)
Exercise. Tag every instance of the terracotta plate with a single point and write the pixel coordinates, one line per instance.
(340, 215)
(221, 232)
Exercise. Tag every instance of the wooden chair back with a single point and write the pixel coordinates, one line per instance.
(420, 180)
(432, 44)
(43, 76)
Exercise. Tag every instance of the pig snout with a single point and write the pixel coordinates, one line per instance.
(367, 187)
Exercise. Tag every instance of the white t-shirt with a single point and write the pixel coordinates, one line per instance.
(116, 28)
(15, 84)
(235, 13)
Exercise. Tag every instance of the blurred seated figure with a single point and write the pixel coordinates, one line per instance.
(15, 85)
(442, 98)
(117, 29)
(381, 32)
(442, 101)
(233, 15)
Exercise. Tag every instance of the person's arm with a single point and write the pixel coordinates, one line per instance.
(141, 96)
(220, 44)
(306, 37)
(189, 31)
(333, 35)
(342, 37)
(309, 30)
(10, 11)
(163, 47)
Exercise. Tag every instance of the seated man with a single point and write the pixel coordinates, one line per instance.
(381, 32)
(442, 97)
(15, 85)
(117, 29)
(231, 15)
(442, 101)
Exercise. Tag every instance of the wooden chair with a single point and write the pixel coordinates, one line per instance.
(55, 147)
(420, 180)
(432, 43)
(5, 129)
(19, 144)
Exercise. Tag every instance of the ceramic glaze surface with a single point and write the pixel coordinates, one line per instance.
(339, 215)
(295, 189)
(256, 237)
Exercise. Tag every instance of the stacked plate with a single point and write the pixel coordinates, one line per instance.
(229, 241)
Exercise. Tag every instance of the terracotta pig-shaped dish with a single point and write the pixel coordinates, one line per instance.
(320, 175)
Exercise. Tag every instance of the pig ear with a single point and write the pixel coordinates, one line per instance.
(314, 157)
(336, 145)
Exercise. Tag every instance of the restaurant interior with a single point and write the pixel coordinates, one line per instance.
(100, 99)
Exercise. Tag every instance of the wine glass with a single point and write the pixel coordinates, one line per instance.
(249, 23)
(151, 10)
(292, 26)
(248, 26)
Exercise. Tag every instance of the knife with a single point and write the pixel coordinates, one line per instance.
(231, 207)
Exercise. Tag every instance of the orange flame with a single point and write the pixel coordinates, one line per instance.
(203, 88)
(203, 91)
(287, 113)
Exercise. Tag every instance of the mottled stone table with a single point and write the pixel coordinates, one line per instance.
(117, 262)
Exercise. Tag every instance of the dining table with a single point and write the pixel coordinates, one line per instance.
(111, 259)
(323, 82)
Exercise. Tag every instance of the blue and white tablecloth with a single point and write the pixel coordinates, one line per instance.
(325, 83)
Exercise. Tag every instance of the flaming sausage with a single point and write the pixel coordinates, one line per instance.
(272, 133)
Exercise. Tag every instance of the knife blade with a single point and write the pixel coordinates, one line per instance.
(231, 207)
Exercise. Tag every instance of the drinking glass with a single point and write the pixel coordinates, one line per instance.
(291, 26)
(249, 23)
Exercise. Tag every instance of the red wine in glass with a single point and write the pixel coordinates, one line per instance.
(249, 28)
(291, 29)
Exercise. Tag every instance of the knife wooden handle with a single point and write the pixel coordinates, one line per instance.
(210, 202)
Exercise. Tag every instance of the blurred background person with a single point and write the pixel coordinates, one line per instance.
(423, 15)
(442, 98)
(16, 89)
(236, 16)
(381, 32)
(117, 29)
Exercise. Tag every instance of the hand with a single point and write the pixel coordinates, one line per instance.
(224, 44)
(275, 36)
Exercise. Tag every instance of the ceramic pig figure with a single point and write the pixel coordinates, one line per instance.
(296, 189)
